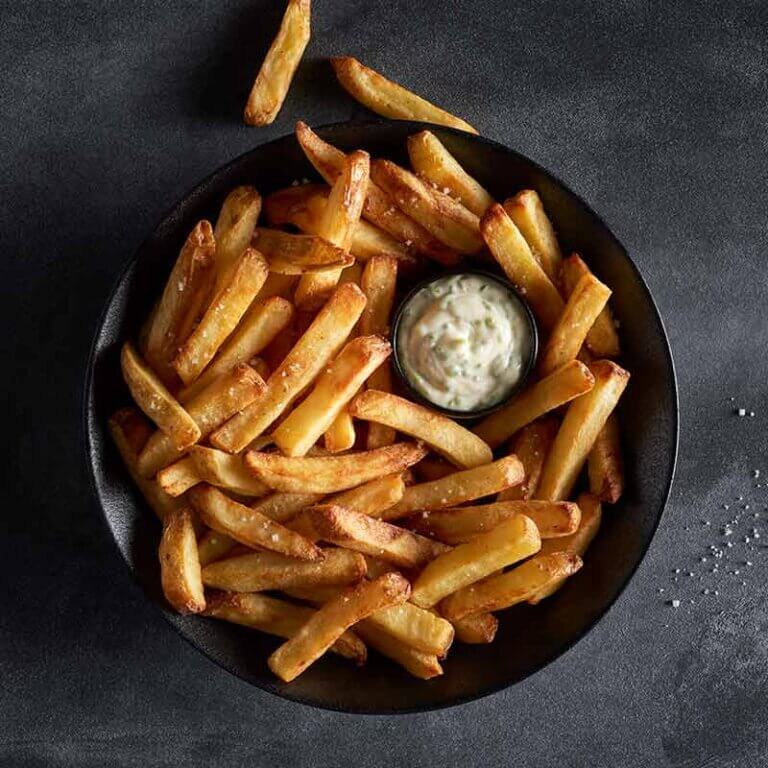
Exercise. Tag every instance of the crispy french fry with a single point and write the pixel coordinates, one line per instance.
(527, 211)
(222, 316)
(276, 617)
(156, 401)
(357, 531)
(216, 403)
(584, 305)
(459, 487)
(585, 418)
(330, 474)
(274, 79)
(247, 526)
(508, 542)
(450, 222)
(442, 434)
(432, 467)
(433, 162)
(234, 229)
(421, 665)
(602, 339)
(261, 571)
(560, 387)
(514, 255)
(326, 626)
(389, 99)
(277, 285)
(226, 471)
(284, 506)
(340, 436)
(299, 254)
(368, 241)
(373, 497)
(179, 563)
(179, 477)
(298, 369)
(531, 447)
(512, 587)
(334, 388)
(605, 467)
(212, 546)
(476, 628)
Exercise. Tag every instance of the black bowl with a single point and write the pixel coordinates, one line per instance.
(529, 637)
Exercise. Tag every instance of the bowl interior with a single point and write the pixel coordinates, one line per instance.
(529, 637)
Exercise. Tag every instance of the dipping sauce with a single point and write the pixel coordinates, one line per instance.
(464, 342)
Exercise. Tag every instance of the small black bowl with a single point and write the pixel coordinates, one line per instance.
(477, 413)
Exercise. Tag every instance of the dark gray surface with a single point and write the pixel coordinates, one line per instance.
(656, 115)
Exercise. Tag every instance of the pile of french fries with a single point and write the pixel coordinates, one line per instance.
(300, 493)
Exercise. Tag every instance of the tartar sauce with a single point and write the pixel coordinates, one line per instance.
(463, 342)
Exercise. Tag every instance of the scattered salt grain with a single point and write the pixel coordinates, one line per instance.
(674, 603)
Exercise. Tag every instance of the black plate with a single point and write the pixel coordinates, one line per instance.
(529, 637)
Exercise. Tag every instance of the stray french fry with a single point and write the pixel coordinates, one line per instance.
(389, 99)
(234, 229)
(179, 563)
(298, 369)
(213, 545)
(560, 387)
(326, 626)
(433, 162)
(442, 434)
(605, 467)
(510, 541)
(284, 506)
(459, 487)
(298, 254)
(476, 628)
(513, 253)
(225, 470)
(373, 497)
(340, 436)
(421, 665)
(585, 418)
(531, 447)
(179, 477)
(274, 79)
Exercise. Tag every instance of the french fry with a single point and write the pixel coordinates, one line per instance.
(284, 506)
(340, 436)
(584, 305)
(569, 382)
(211, 407)
(433, 162)
(185, 293)
(526, 210)
(605, 467)
(177, 478)
(421, 665)
(514, 255)
(334, 388)
(585, 418)
(512, 587)
(459, 487)
(330, 474)
(276, 617)
(454, 442)
(299, 254)
(226, 471)
(298, 369)
(602, 338)
(450, 222)
(432, 467)
(354, 530)
(277, 285)
(476, 628)
(373, 497)
(212, 546)
(531, 446)
(234, 229)
(151, 395)
(179, 563)
(274, 79)
(510, 541)
(247, 526)
(368, 242)
(222, 316)
(262, 571)
(326, 626)
(337, 225)
(389, 99)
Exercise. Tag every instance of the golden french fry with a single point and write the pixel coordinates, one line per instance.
(329, 474)
(234, 229)
(156, 401)
(243, 524)
(179, 563)
(226, 471)
(179, 477)
(213, 545)
(284, 506)
(584, 305)
(298, 369)
(508, 542)
(605, 467)
(214, 405)
(527, 211)
(531, 447)
(514, 255)
(602, 338)
(340, 436)
(442, 434)
(585, 418)
(326, 626)
(512, 587)
(450, 222)
(476, 628)
(560, 387)
(368, 242)
(433, 467)
(274, 79)
(433, 162)
(334, 388)
(373, 497)
(299, 254)
(459, 487)
(389, 99)
(421, 665)
(277, 285)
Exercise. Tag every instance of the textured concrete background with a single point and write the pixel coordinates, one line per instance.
(655, 112)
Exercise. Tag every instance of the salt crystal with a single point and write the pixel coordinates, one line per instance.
(742, 411)
(674, 603)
